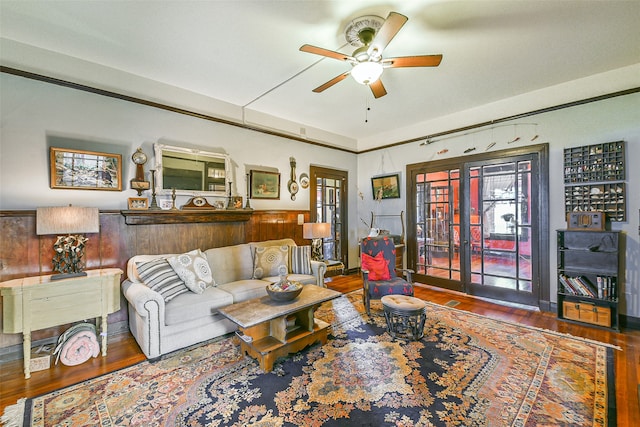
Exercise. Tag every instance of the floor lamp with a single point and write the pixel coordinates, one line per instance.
(316, 231)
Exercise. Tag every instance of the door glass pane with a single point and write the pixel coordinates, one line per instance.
(504, 254)
(437, 227)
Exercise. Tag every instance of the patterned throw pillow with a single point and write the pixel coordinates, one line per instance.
(300, 259)
(270, 261)
(160, 277)
(377, 266)
(193, 268)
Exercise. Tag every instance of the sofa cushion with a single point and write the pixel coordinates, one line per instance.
(300, 259)
(230, 263)
(270, 261)
(193, 268)
(192, 306)
(243, 290)
(159, 276)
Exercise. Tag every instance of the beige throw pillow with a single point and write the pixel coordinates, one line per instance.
(269, 261)
(193, 268)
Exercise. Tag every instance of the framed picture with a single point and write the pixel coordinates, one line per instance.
(386, 187)
(264, 185)
(138, 203)
(85, 170)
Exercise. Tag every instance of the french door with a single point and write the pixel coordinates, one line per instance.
(328, 203)
(476, 226)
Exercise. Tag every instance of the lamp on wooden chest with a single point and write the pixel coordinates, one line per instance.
(69, 223)
(316, 231)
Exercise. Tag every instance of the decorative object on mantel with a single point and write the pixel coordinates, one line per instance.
(69, 250)
(173, 200)
(230, 198)
(316, 231)
(248, 205)
(292, 185)
(139, 183)
(154, 203)
(85, 170)
(138, 203)
(197, 202)
(191, 171)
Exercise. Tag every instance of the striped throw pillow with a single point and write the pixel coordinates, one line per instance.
(300, 259)
(160, 277)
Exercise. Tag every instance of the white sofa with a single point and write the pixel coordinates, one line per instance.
(191, 318)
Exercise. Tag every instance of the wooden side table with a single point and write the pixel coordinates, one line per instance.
(334, 267)
(33, 303)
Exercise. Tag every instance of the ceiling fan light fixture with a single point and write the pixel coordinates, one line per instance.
(366, 73)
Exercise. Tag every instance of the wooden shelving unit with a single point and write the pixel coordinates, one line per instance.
(592, 259)
(594, 179)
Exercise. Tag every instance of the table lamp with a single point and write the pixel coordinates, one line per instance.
(316, 231)
(69, 223)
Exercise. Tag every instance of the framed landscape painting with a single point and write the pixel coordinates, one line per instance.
(264, 185)
(85, 170)
(386, 187)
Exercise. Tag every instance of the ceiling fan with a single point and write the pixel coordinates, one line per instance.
(371, 34)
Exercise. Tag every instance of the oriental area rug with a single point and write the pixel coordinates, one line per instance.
(468, 370)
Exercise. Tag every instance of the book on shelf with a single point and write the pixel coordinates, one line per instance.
(567, 287)
(578, 285)
(606, 287)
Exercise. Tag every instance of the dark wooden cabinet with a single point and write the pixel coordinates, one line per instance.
(587, 274)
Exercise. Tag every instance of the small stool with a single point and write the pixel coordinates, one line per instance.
(405, 315)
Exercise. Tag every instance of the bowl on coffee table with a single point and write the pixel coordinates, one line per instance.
(284, 291)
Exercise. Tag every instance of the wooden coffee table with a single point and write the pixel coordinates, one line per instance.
(275, 328)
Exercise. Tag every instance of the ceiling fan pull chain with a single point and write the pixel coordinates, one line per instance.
(366, 111)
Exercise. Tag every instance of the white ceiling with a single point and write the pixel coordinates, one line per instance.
(246, 52)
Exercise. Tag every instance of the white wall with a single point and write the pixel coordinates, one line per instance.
(35, 115)
(609, 120)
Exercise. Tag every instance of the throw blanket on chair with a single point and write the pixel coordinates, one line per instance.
(77, 344)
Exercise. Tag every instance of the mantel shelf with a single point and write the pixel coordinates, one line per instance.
(146, 217)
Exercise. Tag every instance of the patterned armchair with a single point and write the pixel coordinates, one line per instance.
(378, 261)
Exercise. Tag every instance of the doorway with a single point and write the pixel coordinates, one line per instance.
(476, 224)
(328, 203)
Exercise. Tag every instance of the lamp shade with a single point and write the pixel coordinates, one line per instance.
(366, 72)
(67, 220)
(316, 230)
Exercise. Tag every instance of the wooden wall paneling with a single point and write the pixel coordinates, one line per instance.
(19, 246)
(115, 241)
(268, 225)
(23, 253)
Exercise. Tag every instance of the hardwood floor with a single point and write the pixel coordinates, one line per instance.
(124, 351)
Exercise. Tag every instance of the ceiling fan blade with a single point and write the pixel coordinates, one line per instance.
(413, 61)
(331, 82)
(378, 89)
(326, 52)
(386, 33)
